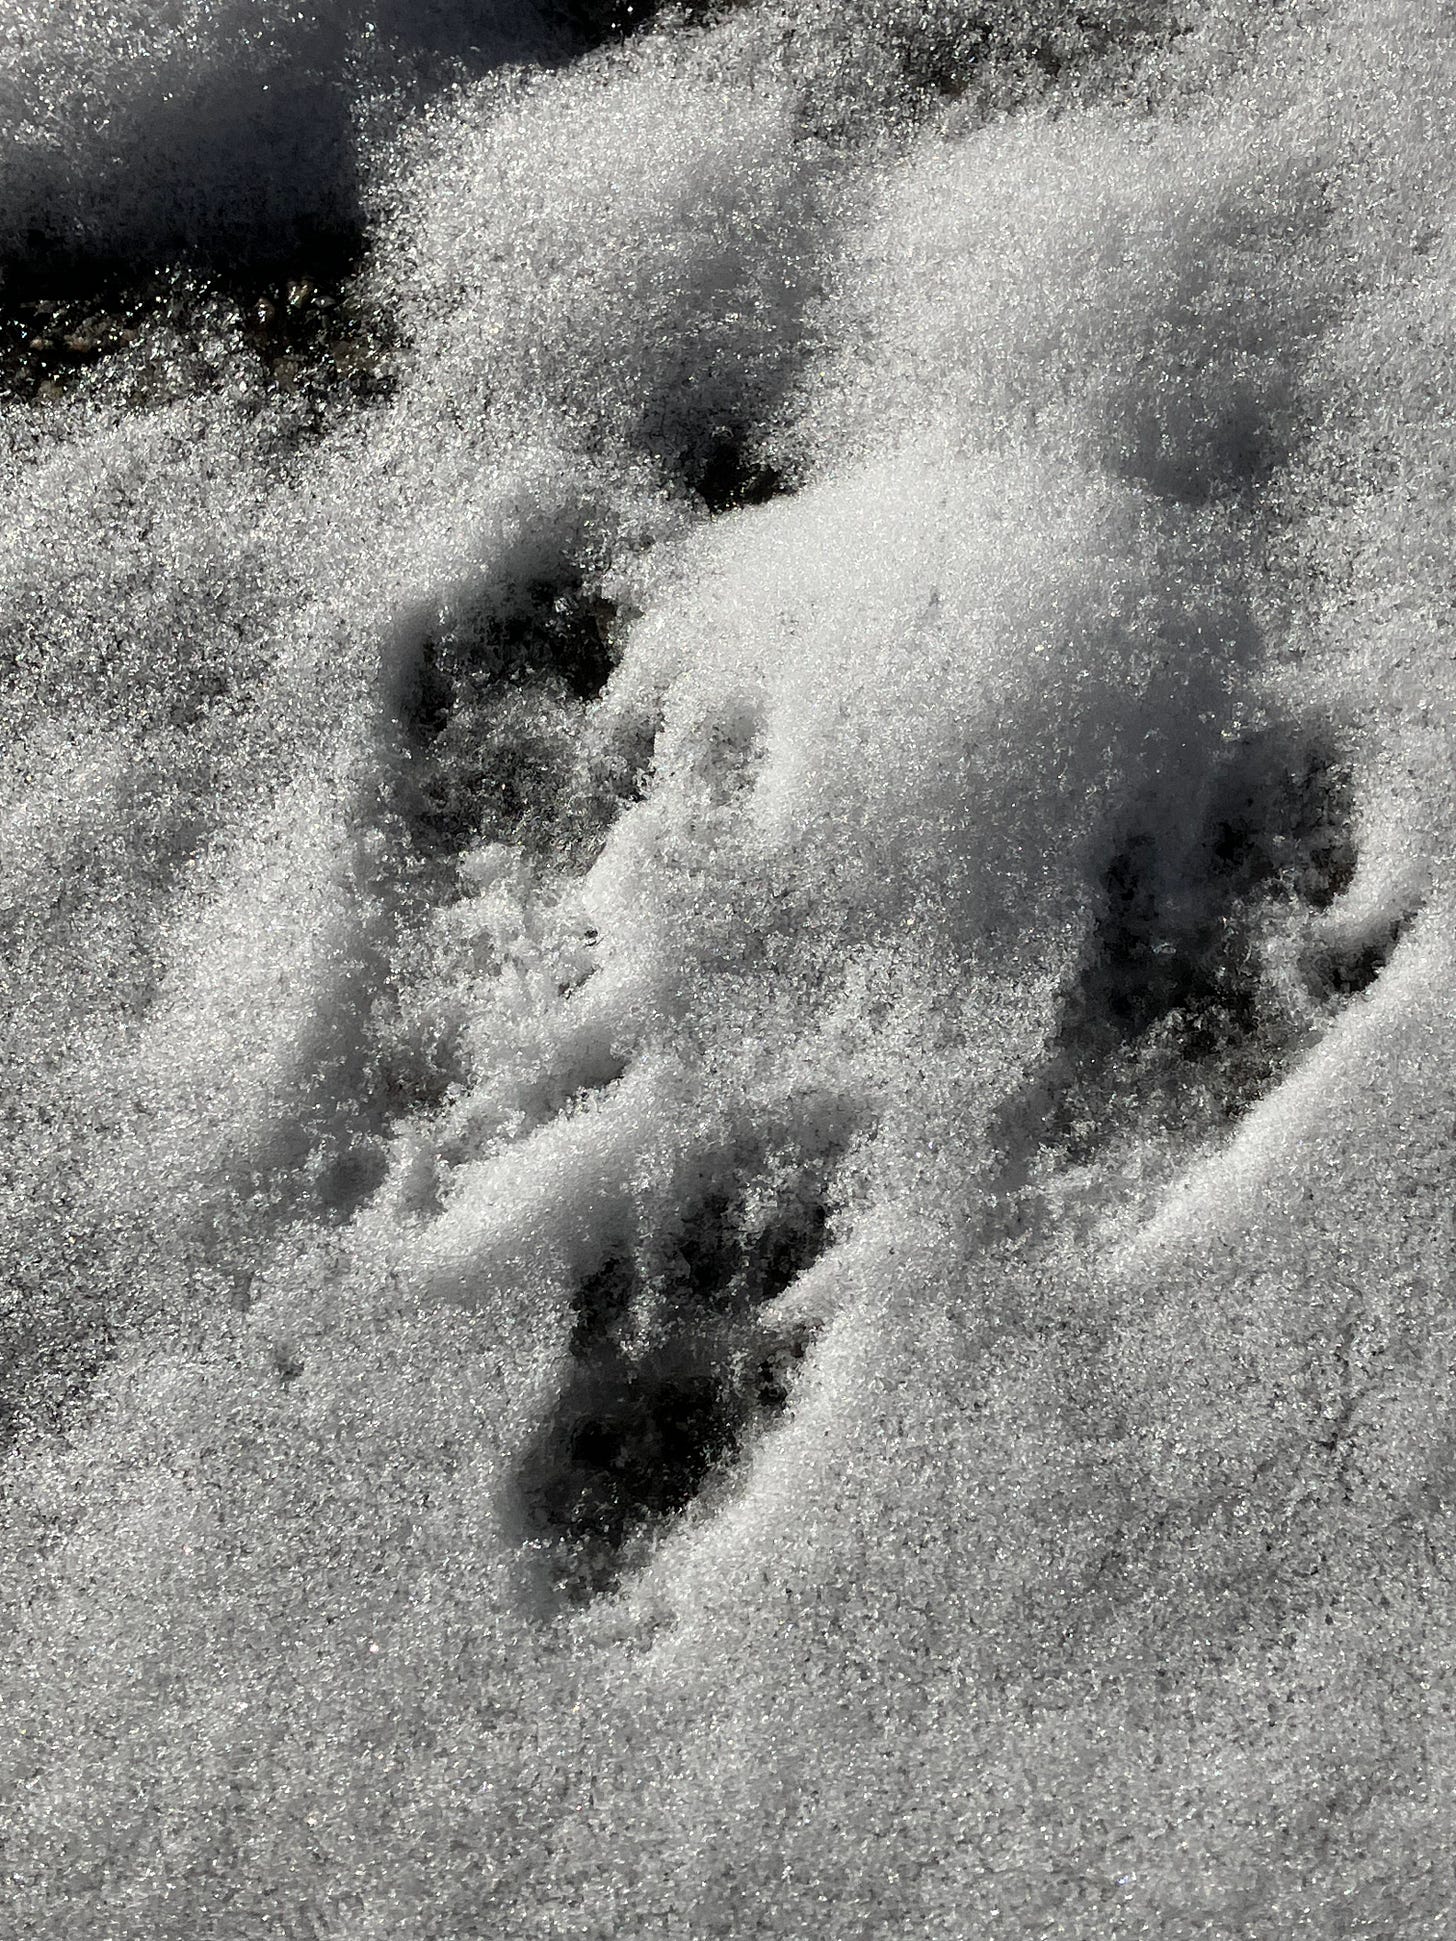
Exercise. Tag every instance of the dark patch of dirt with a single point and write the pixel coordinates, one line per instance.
(299, 324)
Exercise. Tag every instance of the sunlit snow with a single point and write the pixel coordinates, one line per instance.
(726, 851)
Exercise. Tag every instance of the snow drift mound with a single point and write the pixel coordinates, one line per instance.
(727, 1055)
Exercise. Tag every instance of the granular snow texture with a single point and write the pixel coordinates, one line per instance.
(726, 849)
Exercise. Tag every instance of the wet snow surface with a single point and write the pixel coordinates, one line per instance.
(729, 1061)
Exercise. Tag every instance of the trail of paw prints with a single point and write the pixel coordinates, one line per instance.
(487, 781)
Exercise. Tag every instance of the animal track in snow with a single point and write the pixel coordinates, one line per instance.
(674, 1370)
(1178, 1016)
(495, 711)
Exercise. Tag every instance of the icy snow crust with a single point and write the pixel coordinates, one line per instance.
(728, 1037)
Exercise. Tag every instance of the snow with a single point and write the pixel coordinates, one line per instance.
(727, 1041)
